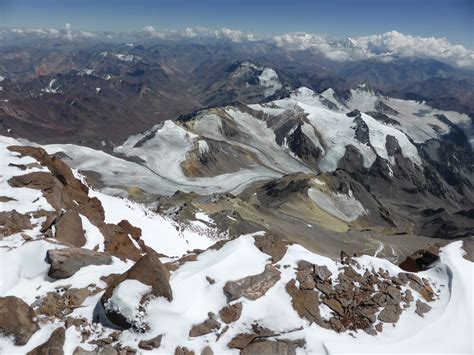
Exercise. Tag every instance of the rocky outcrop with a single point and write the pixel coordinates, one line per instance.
(272, 245)
(53, 346)
(258, 342)
(69, 198)
(69, 229)
(153, 343)
(252, 287)
(356, 297)
(66, 262)
(16, 319)
(148, 270)
(421, 260)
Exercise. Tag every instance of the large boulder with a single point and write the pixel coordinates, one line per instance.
(53, 346)
(151, 274)
(252, 287)
(69, 229)
(17, 319)
(66, 262)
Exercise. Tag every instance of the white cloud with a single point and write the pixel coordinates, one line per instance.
(200, 32)
(384, 47)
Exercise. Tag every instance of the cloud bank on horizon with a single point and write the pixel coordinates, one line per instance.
(384, 47)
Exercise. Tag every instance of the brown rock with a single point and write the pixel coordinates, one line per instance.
(422, 308)
(252, 287)
(231, 313)
(379, 327)
(52, 305)
(16, 319)
(390, 314)
(322, 272)
(148, 270)
(273, 347)
(240, 341)
(204, 328)
(305, 278)
(69, 229)
(183, 351)
(66, 262)
(150, 344)
(324, 287)
(12, 222)
(335, 305)
(54, 345)
(118, 243)
(272, 245)
(135, 232)
(207, 351)
(304, 302)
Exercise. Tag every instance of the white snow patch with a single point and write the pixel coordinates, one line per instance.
(342, 206)
(93, 235)
(126, 299)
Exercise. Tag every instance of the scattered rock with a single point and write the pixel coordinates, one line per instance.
(183, 351)
(204, 328)
(305, 278)
(422, 308)
(210, 280)
(379, 327)
(12, 222)
(16, 319)
(54, 345)
(241, 341)
(66, 262)
(322, 272)
(335, 305)
(252, 287)
(150, 344)
(207, 351)
(273, 347)
(272, 245)
(231, 313)
(305, 303)
(390, 314)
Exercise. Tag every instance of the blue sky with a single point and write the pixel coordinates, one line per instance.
(453, 19)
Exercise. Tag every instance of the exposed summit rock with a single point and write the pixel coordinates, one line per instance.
(66, 262)
(252, 287)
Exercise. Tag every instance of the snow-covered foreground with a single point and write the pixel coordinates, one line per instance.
(446, 329)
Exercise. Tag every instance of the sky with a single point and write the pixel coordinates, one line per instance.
(453, 19)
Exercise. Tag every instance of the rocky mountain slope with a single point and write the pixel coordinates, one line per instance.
(372, 162)
(77, 278)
